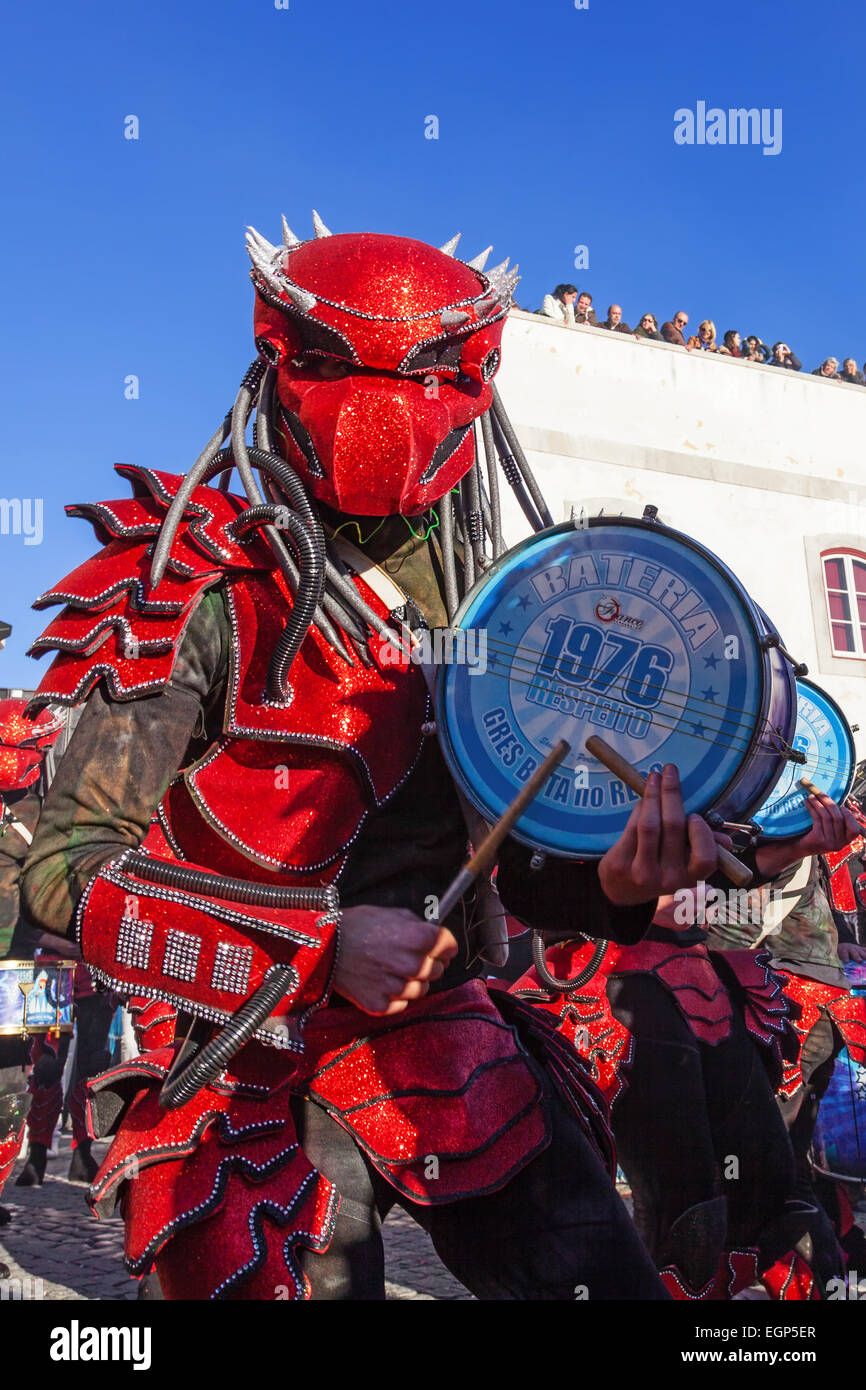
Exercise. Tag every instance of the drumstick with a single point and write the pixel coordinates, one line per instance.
(485, 854)
(809, 787)
(628, 773)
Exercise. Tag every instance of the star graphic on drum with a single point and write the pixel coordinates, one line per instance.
(710, 695)
(523, 601)
(505, 628)
(711, 661)
(700, 731)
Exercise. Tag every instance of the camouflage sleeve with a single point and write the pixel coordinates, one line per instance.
(119, 762)
(17, 824)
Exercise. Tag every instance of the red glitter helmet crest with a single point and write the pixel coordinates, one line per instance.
(384, 349)
(23, 742)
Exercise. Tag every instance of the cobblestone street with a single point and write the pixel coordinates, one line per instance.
(53, 1237)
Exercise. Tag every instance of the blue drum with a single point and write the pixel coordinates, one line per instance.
(626, 629)
(826, 740)
(839, 1143)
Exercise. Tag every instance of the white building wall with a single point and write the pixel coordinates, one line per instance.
(764, 467)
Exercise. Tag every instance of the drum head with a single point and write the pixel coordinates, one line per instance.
(620, 628)
(825, 738)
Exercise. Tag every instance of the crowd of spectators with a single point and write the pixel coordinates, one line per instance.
(573, 307)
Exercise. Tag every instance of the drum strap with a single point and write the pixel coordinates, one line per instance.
(372, 574)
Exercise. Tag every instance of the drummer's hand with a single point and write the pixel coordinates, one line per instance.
(850, 953)
(832, 828)
(389, 956)
(661, 849)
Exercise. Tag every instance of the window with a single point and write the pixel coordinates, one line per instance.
(845, 594)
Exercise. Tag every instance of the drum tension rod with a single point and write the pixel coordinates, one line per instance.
(794, 755)
(774, 640)
(750, 829)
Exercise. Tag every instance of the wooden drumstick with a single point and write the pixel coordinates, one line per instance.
(628, 773)
(485, 855)
(809, 787)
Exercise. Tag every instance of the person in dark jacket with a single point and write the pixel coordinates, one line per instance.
(782, 356)
(754, 350)
(583, 310)
(829, 368)
(648, 328)
(850, 373)
(673, 331)
(614, 320)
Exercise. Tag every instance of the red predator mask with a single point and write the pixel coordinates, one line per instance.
(384, 349)
(23, 742)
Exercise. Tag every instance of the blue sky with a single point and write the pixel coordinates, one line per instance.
(555, 129)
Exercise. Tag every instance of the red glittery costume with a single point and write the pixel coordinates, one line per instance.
(698, 1256)
(23, 746)
(379, 352)
(845, 1011)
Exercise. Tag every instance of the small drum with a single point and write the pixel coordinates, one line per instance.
(839, 1143)
(824, 737)
(627, 629)
(36, 996)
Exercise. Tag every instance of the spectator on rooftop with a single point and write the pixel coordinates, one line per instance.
(560, 304)
(584, 312)
(614, 320)
(850, 373)
(673, 330)
(731, 346)
(782, 356)
(705, 340)
(754, 350)
(648, 328)
(828, 368)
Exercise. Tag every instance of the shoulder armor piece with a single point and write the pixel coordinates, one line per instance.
(113, 624)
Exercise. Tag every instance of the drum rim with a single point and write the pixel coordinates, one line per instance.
(760, 623)
(825, 695)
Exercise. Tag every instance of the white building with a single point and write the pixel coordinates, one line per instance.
(764, 467)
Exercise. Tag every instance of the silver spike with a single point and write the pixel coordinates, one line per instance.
(486, 305)
(452, 318)
(451, 246)
(302, 298)
(319, 227)
(479, 261)
(498, 270)
(289, 238)
(261, 253)
(264, 257)
(264, 246)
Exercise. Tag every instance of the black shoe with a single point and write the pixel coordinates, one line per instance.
(83, 1167)
(33, 1172)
